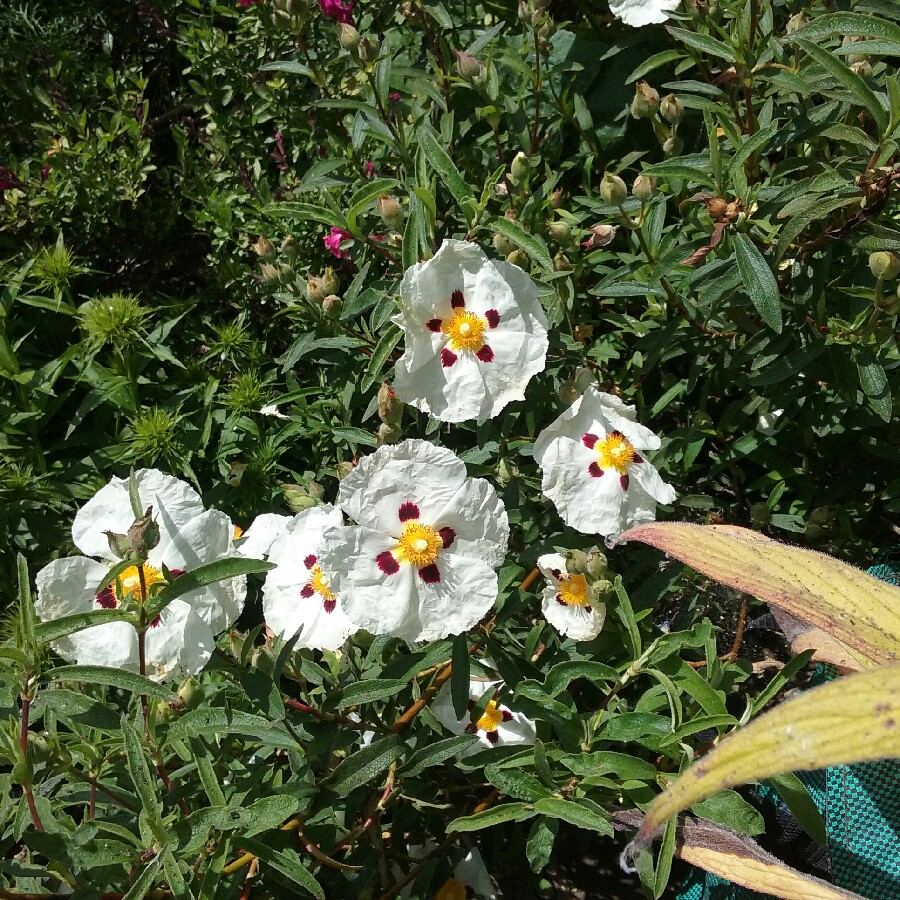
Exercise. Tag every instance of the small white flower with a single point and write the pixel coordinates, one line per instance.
(498, 725)
(594, 469)
(298, 596)
(769, 420)
(642, 12)
(568, 601)
(181, 640)
(420, 562)
(272, 410)
(474, 334)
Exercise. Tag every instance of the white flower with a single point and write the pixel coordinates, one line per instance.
(474, 333)
(298, 596)
(470, 876)
(498, 725)
(568, 601)
(420, 562)
(272, 410)
(593, 466)
(181, 639)
(642, 12)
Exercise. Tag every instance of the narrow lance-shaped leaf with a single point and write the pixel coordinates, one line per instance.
(862, 612)
(855, 719)
(759, 282)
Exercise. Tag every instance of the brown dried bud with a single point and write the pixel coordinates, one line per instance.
(264, 249)
(391, 211)
(390, 409)
(600, 236)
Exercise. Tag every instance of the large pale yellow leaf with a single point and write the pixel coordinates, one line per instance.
(860, 611)
(855, 719)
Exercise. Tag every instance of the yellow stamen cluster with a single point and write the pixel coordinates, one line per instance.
(451, 889)
(130, 580)
(419, 545)
(465, 330)
(491, 717)
(616, 452)
(319, 583)
(573, 591)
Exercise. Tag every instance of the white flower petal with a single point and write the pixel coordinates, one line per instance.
(181, 643)
(576, 622)
(478, 517)
(470, 872)
(174, 504)
(642, 12)
(259, 536)
(114, 645)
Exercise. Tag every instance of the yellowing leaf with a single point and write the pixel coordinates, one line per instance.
(856, 719)
(860, 611)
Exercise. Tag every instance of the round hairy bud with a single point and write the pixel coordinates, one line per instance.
(797, 22)
(884, 264)
(348, 37)
(391, 211)
(560, 232)
(673, 145)
(503, 244)
(520, 259)
(467, 65)
(613, 190)
(390, 409)
(388, 434)
(600, 236)
(264, 249)
(556, 199)
(289, 247)
(519, 168)
(332, 306)
(644, 188)
(671, 109)
(645, 102)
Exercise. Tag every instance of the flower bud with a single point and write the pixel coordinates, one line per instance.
(332, 306)
(191, 693)
(390, 409)
(645, 102)
(270, 274)
(261, 658)
(502, 244)
(863, 68)
(560, 232)
(298, 498)
(390, 211)
(286, 274)
(491, 115)
(673, 145)
(797, 22)
(813, 531)
(368, 51)
(671, 109)
(884, 264)
(519, 168)
(348, 37)
(330, 281)
(562, 263)
(467, 65)
(853, 58)
(600, 236)
(119, 544)
(556, 199)
(289, 247)
(613, 190)
(644, 188)
(597, 564)
(500, 190)
(343, 468)
(315, 289)
(520, 259)
(388, 434)
(507, 470)
(264, 249)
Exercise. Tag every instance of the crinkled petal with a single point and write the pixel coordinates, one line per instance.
(518, 730)
(478, 517)
(181, 643)
(642, 12)
(550, 563)
(259, 536)
(174, 504)
(413, 470)
(471, 872)
(577, 622)
(113, 645)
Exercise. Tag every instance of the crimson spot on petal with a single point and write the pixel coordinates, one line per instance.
(447, 358)
(556, 573)
(457, 300)
(156, 621)
(408, 511)
(637, 458)
(106, 599)
(616, 434)
(485, 354)
(176, 572)
(491, 737)
(589, 609)
(387, 564)
(329, 605)
(433, 325)
(493, 318)
(507, 715)
(310, 561)
(560, 600)
(430, 574)
(306, 591)
(448, 536)
(623, 480)
(589, 440)
(595, 470)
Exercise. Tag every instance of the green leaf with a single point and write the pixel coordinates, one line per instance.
(854, 83)
(797, 798)
(355, 435)
(515, 783)
(759, 282)
(117, 678)
(581, 812)
(173, 875)
(364, 196)
(134, 498)
(850, 23)
(144, 782)
(144, 881)
(654, 62)
(383, 350)
(26, 606)
(369, 691)
(60, 628)
(874, 382)
(459, 676)
(563, 674)
(433, 754)
(676, 169)
(446, 169)
(207, 772)
(759, 140)
(730, 809)
(288, 862)
(215, 720)
(307, 212)
(533, 245)
(290, 66)
(365, 765)
(664, 860)
(539, 845)
(496, 815)
(702, 42)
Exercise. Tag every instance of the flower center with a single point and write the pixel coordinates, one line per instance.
(616, 452)
(491, 717)
(573, 591)
(465, 330)
(319, 583)
(130, 580)
(451, 890)
(419, 545)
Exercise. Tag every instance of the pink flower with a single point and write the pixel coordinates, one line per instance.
(369, 169)
(335, 9)
(246, 4)
(333, 240)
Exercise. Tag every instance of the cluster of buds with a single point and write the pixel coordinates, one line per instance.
(885, 266)
(302, 496)
(390, 411)
(141, 537)
(321, 290)
(276, 269)
(291, 15)
(665, 115)
(594, 566)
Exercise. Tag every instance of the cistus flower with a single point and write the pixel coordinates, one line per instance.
(419, 564)
(568, 600)
(642, 12)
(594, 468)
(297, 595)
(474, 333)
(470, 877)
(496, 726)
(333, 239)
(182, 638)
(337, 10)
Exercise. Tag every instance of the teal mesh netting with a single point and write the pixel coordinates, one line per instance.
(861, 808)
